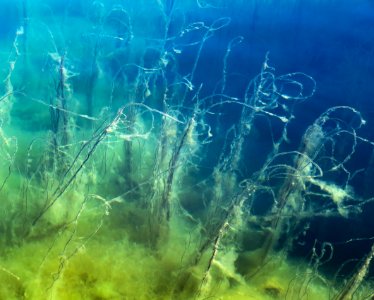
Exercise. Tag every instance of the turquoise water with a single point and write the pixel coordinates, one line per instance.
(169, 149)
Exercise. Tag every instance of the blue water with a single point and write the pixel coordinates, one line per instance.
(93, 85)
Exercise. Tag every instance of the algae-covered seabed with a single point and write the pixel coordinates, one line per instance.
(140, 160)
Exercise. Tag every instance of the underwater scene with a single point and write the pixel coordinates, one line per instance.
(187, 149)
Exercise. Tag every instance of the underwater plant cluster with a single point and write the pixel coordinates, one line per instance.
(177, 149)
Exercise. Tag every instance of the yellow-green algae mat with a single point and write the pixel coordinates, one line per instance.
(98, 257)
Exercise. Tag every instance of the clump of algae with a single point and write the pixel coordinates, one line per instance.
(103, 268)
(106, 262)
(86, 248)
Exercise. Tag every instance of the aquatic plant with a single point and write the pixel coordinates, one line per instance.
(143, 161)
(350, 288)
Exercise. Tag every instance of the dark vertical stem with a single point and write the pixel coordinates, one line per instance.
(173, 164)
